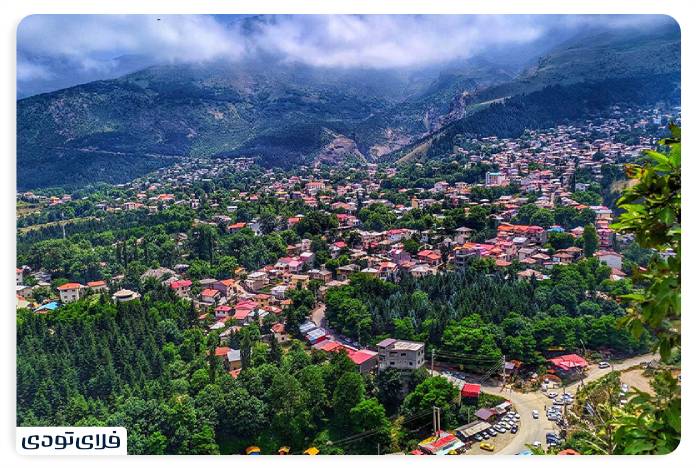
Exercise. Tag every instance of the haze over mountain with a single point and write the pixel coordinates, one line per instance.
(281, 94)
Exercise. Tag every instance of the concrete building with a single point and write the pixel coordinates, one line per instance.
(70, 292)
(400, 354)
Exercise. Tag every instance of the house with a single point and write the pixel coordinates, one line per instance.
(23, 290)
(364, 359)
(431, 257)
(400, 354)
(320, 275)
(182, 288)
(98, 286)
(236, 227)
(20, 276)
(610, 258)
(568, 364)
(70, 292)
(222, 311)
(463, 234)
(279, 333)
(227, 287)
(307, 326)
(210, 296)
(470, 390)
(233, 360)
(316, 335)
(529, 273)
(343, 272)
(299, 281)
(243, 311)
(441, 444)
(125, 295)
(279, 291)
(256, 281)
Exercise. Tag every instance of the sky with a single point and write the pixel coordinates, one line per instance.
(58, 51)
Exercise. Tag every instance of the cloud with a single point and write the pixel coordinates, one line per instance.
(59, 49)
(91, 39)
(28, 71)
(391, 40)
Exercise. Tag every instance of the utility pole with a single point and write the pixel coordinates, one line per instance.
(503, 387)
(432, 362)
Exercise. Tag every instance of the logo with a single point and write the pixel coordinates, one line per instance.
(72, 441)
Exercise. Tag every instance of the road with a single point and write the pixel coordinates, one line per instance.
(535, 429)
(318, 314)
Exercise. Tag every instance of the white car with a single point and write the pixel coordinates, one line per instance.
(552, 395)
(603, 365)
(536, 444)
(535, 414)
(624, 388)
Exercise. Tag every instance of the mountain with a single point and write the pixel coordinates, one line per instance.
(598, 53)
(114, 130)
(286, 114)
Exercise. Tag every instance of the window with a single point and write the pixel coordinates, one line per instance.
(391, 363)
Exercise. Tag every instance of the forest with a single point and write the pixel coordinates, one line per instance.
(487, 313)
(147, 365)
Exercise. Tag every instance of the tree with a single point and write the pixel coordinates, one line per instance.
(653, 214)
(389, 389)
(350, 390)
(433, 391)
(590, 241)
(369, 415)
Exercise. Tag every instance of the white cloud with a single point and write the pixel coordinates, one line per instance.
(78, 48)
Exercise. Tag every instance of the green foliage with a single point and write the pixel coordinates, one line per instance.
(653, 214)
(590, 241)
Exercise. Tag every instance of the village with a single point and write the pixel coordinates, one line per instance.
(562, 168)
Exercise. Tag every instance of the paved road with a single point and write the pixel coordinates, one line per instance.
(535, 429)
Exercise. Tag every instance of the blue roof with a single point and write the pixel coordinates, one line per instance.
(49, 306)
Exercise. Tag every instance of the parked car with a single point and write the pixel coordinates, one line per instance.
(492, 432)
(603, 365)
(487, 446)
(552, 395)
(478, 437)
(624, 388)
(514, 429)
(536, 444)
(485, 435)
(535, 414)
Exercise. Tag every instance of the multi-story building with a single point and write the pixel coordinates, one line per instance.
(400, 354)
(70, 292)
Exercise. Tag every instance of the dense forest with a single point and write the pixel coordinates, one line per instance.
(484, 313)
(148, 366)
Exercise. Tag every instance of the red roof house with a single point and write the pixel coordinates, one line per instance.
(471, 390)
(568, 362)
